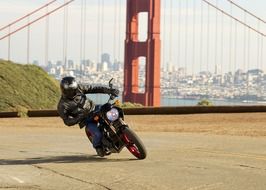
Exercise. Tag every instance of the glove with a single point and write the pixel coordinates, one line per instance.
(82, 116)
(87, 105)
(114, 92)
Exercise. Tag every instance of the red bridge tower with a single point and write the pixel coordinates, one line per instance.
(150, 49)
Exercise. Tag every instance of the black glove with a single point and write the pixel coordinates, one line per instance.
(82, 116)
(114, 92)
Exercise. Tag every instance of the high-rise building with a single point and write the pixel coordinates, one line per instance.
(106, 58)
(70, 65)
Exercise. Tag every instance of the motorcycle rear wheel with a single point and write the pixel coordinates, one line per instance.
(134, 144)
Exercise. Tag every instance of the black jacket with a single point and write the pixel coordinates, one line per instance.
(73, 111)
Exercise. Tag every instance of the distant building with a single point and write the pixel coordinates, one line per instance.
(70, 65)
(182, 71)
(104, 66)
(59, 63)
(106, 58)
(118, 66)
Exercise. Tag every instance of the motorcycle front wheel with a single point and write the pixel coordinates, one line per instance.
(133, 143)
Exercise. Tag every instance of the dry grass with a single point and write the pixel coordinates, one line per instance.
(244, 124)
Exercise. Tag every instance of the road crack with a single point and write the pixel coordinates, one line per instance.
(20, 187)
(251, 167)
(68, 176)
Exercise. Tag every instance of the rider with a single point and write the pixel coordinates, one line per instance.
(75, 107)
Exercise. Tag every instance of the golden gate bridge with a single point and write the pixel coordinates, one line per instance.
(180, 37)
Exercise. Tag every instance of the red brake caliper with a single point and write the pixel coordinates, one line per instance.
(130, 146)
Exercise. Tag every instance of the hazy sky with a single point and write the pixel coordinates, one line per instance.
(185, 43)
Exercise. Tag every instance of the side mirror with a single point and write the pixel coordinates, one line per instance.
(110, 83)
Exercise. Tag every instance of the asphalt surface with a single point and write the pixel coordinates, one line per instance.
(38, 156)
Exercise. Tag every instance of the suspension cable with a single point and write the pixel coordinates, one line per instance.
(179, 35)
(65, 34)
(170, 63)
(208, 48)
(9, 43)
(244, 46)
(170, 35)
(235, 48)
(230, 41)
(46, 38)
(208, 37)
(201, 35)
(241, 22)
(248, 49)
(81, 31)
(222, 43)
(262, 54)
(119, 26)
(114, 34)
(119, 29)
(193, 37)
(248, 59)
(98, 30)
(258, 45)
(164, 38)
(102, 25)
(27, 15)
(258, 87)
(85, 29)
(186, 35)
(39, 18)
(260, 19)
(28, 42)
(215, 41)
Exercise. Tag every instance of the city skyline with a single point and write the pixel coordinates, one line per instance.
(235, 87)
(175, 68)
(177, 47)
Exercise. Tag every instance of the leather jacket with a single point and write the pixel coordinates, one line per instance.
(76, 110)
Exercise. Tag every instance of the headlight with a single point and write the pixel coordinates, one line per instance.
(113, 114)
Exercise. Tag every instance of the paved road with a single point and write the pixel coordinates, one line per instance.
(39, 157)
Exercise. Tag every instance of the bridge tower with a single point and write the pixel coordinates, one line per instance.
(150, 49)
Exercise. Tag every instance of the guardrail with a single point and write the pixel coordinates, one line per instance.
(156, 110)
(8, 114)
(193, 110)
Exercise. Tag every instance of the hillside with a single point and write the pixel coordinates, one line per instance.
(26, 87)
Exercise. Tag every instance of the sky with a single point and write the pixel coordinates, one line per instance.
(193, 34)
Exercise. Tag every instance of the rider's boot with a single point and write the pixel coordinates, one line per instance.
(100, 151)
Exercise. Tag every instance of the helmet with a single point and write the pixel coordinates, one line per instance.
(69, 87)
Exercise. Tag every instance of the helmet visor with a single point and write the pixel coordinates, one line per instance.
(70, 90)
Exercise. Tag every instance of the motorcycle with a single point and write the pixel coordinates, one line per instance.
(116, 133)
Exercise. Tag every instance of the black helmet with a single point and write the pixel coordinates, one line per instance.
(69, 87)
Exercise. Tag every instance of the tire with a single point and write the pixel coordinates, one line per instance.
(134, 144)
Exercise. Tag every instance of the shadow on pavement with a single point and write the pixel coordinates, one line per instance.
(61, 159)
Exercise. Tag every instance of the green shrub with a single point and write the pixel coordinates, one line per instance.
(131, 105)
(22, 111)
(205, 102)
